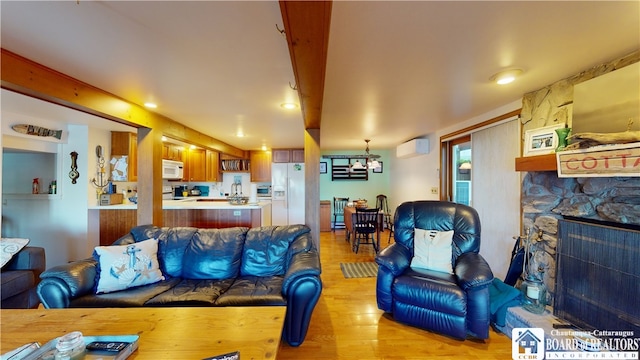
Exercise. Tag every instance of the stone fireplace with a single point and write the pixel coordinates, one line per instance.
(546, 198)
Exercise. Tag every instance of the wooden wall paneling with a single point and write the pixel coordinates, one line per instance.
(116, 223)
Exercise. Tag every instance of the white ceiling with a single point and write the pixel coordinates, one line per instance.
(395, 70)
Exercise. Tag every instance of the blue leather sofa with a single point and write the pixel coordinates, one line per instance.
(20, 277)
(453, 304)
(288, 251)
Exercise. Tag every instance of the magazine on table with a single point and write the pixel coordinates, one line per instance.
(33, 351)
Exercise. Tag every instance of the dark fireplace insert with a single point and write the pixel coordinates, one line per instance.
(598, 275)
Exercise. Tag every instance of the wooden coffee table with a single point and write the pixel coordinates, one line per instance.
(165, 333)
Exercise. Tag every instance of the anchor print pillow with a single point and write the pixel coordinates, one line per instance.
(125, 266)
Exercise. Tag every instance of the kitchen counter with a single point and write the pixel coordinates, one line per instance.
(194, 202)
(195, 211)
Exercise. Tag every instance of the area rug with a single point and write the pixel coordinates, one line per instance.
(359, 269)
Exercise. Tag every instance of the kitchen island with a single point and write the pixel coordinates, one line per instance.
(201, 212)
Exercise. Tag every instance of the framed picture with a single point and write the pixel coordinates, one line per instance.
(541, 141)
(378, 170)
(323, 167)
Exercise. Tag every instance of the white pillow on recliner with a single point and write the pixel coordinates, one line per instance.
(432, 250)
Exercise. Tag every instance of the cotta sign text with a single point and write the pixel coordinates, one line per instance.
(610, 162)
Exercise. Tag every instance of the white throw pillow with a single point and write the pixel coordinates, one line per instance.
(10, 247)
(432, 250)
(125, 266)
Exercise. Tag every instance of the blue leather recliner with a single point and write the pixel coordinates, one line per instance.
(453, 304)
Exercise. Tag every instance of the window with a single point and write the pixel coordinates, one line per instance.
(456, 175)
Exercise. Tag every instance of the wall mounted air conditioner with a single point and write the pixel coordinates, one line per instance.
(412, 148)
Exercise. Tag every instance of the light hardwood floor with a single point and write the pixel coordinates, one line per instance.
(347, 324)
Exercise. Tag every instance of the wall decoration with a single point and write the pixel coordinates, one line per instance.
(323, 167)
(541, 141)
(74, 174)
(36, 131)
(378, 170)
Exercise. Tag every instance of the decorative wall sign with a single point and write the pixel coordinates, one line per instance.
(600, 161)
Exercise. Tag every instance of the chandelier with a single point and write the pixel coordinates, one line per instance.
(369, 160)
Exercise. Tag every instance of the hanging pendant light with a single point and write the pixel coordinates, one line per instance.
(370, 161)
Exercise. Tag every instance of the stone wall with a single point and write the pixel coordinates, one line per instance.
(546, 198)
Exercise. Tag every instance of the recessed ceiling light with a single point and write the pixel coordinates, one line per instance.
(164, 138)
(150, 105)
(289, 106)
(264, 147)
(506, 76)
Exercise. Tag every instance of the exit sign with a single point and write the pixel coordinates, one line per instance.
(600, 161)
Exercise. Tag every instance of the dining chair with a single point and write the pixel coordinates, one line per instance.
(338, 211)
(365, 228)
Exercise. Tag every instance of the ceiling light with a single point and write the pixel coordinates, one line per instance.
(370, 161)
(289, 106)
(150, 105)
(264, 147)
(506, 76)
(164, 138)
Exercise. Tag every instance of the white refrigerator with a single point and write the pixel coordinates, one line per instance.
(287, 192)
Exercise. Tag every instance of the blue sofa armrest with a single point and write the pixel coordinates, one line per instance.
(472, 270)
(62, 283)
(393, 261)
(395, 257)
(474, 277)
(302, 288)
(30, 258)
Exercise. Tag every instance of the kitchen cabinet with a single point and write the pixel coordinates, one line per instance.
(231, 164)
(124, 150)
(172, 152)
(297, 155)
(260, 166)
(212, 166)
(195, 170)
(288, 155)
(281, 155)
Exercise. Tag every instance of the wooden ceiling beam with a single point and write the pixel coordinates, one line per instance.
(27, 77)
(306, 25)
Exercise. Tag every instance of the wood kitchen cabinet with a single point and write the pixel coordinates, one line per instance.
(195, 169)
(288, 155)
(297, 155)
(260, 166)
(124, 148)
(212, 166)
(281, 155)
(172, 152)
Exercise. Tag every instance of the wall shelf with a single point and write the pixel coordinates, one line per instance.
(537, 163)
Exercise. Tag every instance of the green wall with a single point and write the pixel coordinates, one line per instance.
(378, 183)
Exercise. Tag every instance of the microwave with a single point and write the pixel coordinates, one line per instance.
(172, 170)
(264, 191)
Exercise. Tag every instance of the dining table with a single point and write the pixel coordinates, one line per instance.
(350, 219)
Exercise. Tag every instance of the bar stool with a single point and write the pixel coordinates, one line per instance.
(382, 204)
